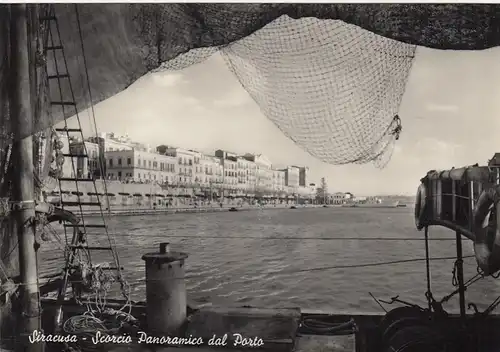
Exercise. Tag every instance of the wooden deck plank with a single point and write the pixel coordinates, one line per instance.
(276, 327)
(308, 343)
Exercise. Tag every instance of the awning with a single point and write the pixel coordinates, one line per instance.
(95, 194)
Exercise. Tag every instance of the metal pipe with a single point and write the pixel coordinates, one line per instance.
(427, 265)
(23, 183)
(460, 276)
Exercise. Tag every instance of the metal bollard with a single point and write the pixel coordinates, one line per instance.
(165, 291)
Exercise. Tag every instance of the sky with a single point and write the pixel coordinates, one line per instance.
(449, 117)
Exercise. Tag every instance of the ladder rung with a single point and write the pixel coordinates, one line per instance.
(74, 204)
(62, 75)
(54, 47)
(48, 18)
(79, 246)
(90, 226)
(108, 269)
(68, 130)
(63, 103)
(76, 155)
(76, 179)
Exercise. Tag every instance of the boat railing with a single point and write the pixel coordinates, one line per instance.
(449, 198)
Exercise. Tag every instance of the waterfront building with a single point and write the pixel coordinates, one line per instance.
(67, 168)
(303, 176)
(230, 179)
(141, 166)
(292, 175)
(188, 163)
(108, 142)
(247, 176)
(264, 174)
(212, 171)
(279, 186)
(339, 198)
(229, 162)
(88, 166)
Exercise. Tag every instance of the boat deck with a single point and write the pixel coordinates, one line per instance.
(308, 343)
(279, 330)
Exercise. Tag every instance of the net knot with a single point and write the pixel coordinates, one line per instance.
(398, 128)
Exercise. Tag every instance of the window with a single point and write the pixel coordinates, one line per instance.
(139, 162)
(190, 162)
(119, 174)
(110, 162)
(149, 164)
(119, 161)
(144, 163)
(139, 175)
(129, 161)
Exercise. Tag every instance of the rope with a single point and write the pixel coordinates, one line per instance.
(326, 325)
(286, 238)
(325, 268)
(125, 288)
(107, 322)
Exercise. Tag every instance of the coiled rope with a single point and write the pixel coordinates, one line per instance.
(86, 326)
(326, 325)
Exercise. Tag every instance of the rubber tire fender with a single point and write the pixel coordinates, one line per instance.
(487, 239)
(421, 207)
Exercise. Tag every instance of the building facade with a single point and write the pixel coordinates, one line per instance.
(188, 166)
(141, 166)
(264, 173)
(279, 181)
(247, 175)
(303, 176)
(212, 171)
(88, 166)
(67, 167)
(292, 176)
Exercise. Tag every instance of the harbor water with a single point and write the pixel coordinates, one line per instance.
(293, 258)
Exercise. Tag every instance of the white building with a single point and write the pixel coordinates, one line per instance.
(188, 166)
(212, 171)
(140, 166)
(265, 173)
(292, 177)
(279, 181)
(87, 167)
(247, 175)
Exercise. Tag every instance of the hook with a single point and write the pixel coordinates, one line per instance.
(473, 307)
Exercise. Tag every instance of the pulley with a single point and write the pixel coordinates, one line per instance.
(409, 329)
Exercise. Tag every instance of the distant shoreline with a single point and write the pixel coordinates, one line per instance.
(189, 210)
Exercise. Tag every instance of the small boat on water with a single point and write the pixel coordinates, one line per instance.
(233, 209)
(373, 205)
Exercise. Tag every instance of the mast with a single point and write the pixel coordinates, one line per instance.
(23, 195)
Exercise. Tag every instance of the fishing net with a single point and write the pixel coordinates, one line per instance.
(333, 88)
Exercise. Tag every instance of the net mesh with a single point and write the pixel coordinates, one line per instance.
(333, 88)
